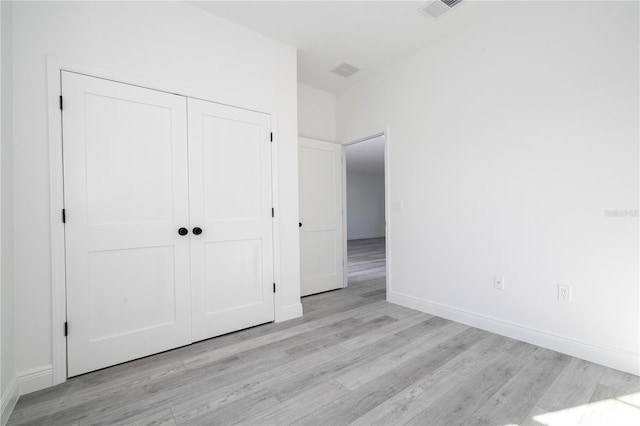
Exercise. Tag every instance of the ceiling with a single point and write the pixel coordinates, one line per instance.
(368, 34)
(367, 157)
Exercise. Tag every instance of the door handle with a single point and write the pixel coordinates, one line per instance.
(197, 231)
(183, 231)
(299, 224)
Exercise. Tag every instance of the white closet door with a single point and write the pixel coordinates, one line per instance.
(126, 196)
(321, 240)
(230, 201)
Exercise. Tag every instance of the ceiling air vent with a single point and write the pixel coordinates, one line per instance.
(346, 70)
(436, 8)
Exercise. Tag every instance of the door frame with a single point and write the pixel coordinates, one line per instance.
(55, 65)
(387, 204)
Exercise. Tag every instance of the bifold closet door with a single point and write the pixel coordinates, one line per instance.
(126, 196)
(230, 203)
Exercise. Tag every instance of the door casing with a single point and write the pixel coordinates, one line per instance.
(55, 66)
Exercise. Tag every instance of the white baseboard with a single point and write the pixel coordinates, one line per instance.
(9, 400)
(289, 312)
(36, 379)
(610, 357)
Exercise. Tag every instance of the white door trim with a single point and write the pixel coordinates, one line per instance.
(387, 203)
(56, 186)
(345, 253)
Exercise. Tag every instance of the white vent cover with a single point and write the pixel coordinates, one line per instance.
(346, 70)
(436, 8)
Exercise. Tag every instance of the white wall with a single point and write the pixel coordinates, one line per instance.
(171, 42)
(316, 113)
(508, 141)
(8, 386)
(365, 206)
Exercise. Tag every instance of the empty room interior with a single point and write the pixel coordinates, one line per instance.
(320, 212)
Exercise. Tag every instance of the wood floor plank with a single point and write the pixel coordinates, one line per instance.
(290, 387)
(302, 404)
(574, 385)
(403, 313)
(326, 341)
(390, 361)
(300, 339)
(423, 328)
(625, 382)
(372, 336)
(374, 293)
(235, 411)
(354, 404)
(207, 401)
(457, 406)
(162, 417)
(435, 358)
(412, 400)
(518, 396)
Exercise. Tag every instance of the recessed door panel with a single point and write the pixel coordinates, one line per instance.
(233, 273)
(126, 195)
(321, 248)
(131, 290)
(129, 164)
(232, 170)
(317, 168)
(230, 200)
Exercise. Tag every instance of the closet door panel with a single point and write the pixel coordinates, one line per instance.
(230, 200)
(126, 195)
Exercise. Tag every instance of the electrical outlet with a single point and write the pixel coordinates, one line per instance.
(498, 282)
(564, 293)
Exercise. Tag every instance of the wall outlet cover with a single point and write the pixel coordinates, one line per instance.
(564, 293)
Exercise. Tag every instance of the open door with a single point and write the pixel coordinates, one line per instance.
(321, 233)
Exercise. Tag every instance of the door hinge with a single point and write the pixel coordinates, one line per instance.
(64, 216)
(66, 329)
(273, 212)
(274, 287)
(60, 102)
(271, 137)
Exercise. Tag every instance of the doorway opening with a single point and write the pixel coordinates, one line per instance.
(365, 208)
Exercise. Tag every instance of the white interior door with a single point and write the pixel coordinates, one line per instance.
(230, 201)
(126, 196)
(321, 245)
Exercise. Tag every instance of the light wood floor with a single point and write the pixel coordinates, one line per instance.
(352, 359)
